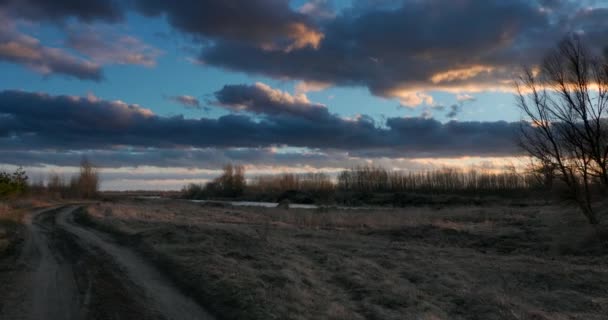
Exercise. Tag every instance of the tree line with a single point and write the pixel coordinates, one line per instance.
(84, 185)
(368, 179)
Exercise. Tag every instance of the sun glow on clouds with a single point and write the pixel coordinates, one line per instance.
(300, 36)
(303, 36)
(467, 163)
(304, 87)
(279, 96)
(412, 98)
(460, 74)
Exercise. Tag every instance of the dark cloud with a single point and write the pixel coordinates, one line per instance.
(454, 111)
(17, 47)
(399, 49)
(262, 99)
(266, 24)
(59, 10)
(209, 158)
(402, 48)
(44, 122)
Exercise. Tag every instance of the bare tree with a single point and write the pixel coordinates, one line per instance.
(88, 180)
(565, 102)
(230, 184)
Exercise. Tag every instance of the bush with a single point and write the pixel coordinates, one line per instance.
(13, 184)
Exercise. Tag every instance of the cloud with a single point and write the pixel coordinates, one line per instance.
(262, 99)
(107, 48)
(17, 47)
(412, 98)
(406, 49)
(318, 9)
(34, 121)
(309, 86)
(265, 24)
(454, 111)
(186, 101)
(467, 45)
(207, 158)
(59, 10)
(463, 97)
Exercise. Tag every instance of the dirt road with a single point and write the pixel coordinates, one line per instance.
(66, 271)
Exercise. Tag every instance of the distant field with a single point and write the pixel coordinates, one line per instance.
(453, 262)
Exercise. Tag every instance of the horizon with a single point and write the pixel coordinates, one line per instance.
(157, 97)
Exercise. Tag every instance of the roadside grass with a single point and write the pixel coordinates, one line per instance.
(461, 262)
(11, 222)
(10, 228)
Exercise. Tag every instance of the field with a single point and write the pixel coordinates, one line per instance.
(426, 262)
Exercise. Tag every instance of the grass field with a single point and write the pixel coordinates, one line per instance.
(489, 262)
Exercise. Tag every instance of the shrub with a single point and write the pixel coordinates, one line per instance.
(13, 184)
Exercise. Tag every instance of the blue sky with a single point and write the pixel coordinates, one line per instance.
(175, 75)
(376, 71)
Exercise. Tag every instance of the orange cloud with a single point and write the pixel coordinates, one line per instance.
(411, 98)
(460, 74)
(310, 86)
(303, 36)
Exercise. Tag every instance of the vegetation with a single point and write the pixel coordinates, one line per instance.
(13, 184)
(361, 184)
(566, 103)
(462, 262)
(10, 228)
(230, 184)
(447, 180)
(302, 188)
(84, 185)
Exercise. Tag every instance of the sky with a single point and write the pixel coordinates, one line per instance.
(162, 93)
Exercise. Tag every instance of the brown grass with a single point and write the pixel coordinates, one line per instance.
(11, 217)
(10, 220)
(412, 263)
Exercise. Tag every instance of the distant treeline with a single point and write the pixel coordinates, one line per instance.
(375, 179)
(84, 185)
(361, 181)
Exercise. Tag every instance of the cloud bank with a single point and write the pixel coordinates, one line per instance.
(44, 122)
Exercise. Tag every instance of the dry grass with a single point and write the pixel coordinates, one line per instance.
(413, 263)
(11, 215)
(10, 219)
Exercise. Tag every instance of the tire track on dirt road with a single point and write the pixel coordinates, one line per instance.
(66, 271)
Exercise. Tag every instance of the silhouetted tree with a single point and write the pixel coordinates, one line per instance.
(565, 103)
